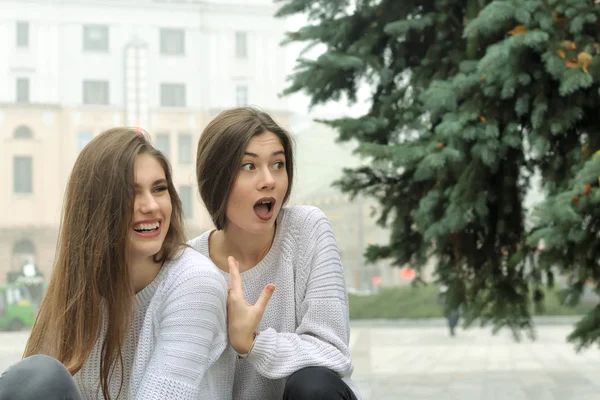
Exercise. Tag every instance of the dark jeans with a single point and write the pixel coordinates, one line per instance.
(316, 383)
(38, 377)
(453, 318)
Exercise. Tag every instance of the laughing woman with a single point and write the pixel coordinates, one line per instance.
(299, 348)
(130, 312)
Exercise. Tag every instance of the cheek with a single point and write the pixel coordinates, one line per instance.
(136, 207)
(167, 208)
(237, 195)
(237, 203)
(284, 183)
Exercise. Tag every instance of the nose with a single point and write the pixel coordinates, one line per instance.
(148, 204)
(267, 182)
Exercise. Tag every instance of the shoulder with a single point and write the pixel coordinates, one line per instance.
(315, 249)
(193, 289)
(190, 268)
(304, 218)
(200, 243)
(306, 229)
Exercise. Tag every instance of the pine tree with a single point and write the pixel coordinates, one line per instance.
(469, 99)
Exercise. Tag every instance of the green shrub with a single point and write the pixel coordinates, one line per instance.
(421, 302)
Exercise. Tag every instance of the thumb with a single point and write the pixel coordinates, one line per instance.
(263, 300)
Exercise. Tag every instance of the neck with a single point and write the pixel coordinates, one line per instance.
(142, 272)
(247, 248)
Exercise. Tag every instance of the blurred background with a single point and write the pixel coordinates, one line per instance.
(73, 68)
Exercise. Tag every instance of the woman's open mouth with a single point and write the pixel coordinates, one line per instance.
(264, 207)
(148, 229)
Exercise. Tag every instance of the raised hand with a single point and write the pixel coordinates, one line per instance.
(243, 318)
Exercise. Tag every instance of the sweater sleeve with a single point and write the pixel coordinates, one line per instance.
(192, 334)
(322, 335)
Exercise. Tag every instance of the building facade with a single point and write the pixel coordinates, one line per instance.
(72, 69)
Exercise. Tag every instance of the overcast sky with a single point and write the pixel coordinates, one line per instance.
(299, 102)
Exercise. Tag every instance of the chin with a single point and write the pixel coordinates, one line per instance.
(148, 252)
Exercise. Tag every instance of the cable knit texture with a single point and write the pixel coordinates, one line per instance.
(177, 345)
(306, 322)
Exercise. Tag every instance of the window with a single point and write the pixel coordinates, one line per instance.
(83, 138)
(241, 45)
(95, 38)
(185, 192)
(24, 248)
(172, 95)
(22, 174)
(172, 41)
(23, 132)
(95, 92)
(241, 95)
(22, 34)
(184, 145)
(22, 90)
(163, 144)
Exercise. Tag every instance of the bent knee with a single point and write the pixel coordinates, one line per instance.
(43, 365)
(314, 383)
(34, 376)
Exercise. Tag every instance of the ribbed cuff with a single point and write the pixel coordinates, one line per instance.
(264, 347)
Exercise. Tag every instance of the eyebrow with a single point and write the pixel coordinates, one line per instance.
(156, 182)
(276, 153)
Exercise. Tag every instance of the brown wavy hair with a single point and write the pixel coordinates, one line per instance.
(221, 149)
(90, 281)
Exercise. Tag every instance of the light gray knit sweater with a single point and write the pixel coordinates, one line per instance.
(306, 322)
(176, 347)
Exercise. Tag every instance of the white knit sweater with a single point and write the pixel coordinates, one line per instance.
(306, 322)
(175, 347)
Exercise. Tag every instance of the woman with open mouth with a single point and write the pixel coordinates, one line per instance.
(288, 320)
(130, 311)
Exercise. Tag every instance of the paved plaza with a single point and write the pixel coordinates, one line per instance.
(399, 362)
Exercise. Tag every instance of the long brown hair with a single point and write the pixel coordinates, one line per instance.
(220, 151)
(90, 281)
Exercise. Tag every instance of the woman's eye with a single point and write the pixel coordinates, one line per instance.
(248, 167)
(161, 189)
(279, 165)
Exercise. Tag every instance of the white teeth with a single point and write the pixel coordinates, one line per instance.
(266, 202)
(146, 227)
